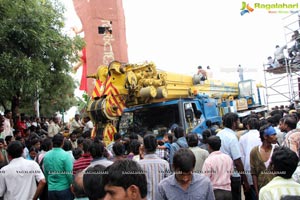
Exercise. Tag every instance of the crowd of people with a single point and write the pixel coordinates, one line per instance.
(45, 162)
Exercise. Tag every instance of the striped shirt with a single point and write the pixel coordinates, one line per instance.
(156, 169)
(278, 188)
(218, 167)
(82, 163)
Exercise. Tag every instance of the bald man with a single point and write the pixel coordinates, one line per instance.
(77, 187)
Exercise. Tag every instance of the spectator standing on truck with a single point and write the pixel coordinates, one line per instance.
(230, 145)
(209, 73)
(240, 70)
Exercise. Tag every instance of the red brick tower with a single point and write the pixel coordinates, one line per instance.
(106, 46)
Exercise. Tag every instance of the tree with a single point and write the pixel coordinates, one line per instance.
(36, 56)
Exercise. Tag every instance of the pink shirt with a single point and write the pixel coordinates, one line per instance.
(218, 167)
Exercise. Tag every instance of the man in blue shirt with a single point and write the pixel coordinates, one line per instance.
(184, 184)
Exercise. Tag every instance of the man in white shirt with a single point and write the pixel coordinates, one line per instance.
(247, 141)
(19, 178)
(209, 73)
(88, 124)
(8, 131)
(240, 70)
(53, 128)
(76, 124)
(279, 55)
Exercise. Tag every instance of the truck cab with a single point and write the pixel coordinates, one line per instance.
(248, 100)
(190, 113)
(249, 90)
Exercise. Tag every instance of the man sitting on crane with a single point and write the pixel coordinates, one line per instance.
(203, 73)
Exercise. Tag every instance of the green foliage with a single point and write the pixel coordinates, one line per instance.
(36, 55)
(83, 103)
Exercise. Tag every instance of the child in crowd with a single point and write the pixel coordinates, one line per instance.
(167, 141)
(32, 153)
(165, 145)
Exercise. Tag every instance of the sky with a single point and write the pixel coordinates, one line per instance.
(180, 35)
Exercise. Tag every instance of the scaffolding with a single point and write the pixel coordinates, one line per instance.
(282, 83)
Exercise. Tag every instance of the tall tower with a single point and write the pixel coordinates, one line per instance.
(109, 45)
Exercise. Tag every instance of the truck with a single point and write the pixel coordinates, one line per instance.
(139, 98)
